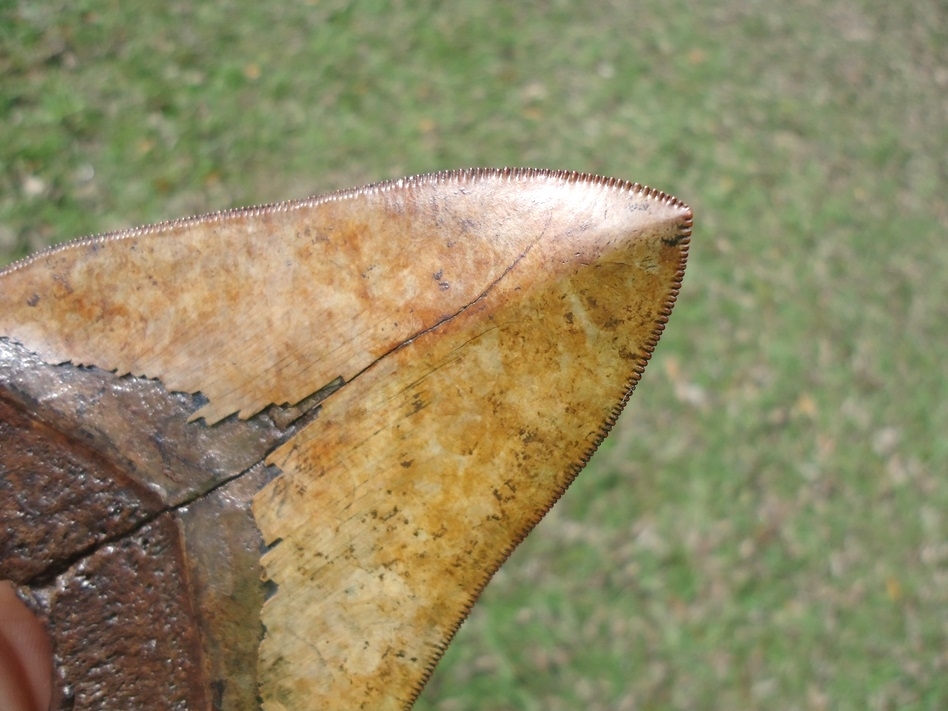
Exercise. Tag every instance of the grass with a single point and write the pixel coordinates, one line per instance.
(768, 525)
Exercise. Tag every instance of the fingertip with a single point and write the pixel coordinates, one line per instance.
(26, 658)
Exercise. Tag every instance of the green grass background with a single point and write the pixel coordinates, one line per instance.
(767, 528)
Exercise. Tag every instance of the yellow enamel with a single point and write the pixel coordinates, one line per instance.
(401, 500)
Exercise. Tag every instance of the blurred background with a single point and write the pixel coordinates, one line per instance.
(767, 528)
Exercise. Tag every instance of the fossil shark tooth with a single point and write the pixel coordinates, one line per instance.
(382, 390)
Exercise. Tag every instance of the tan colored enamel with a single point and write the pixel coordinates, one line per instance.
(402, 499)
(261, 306)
